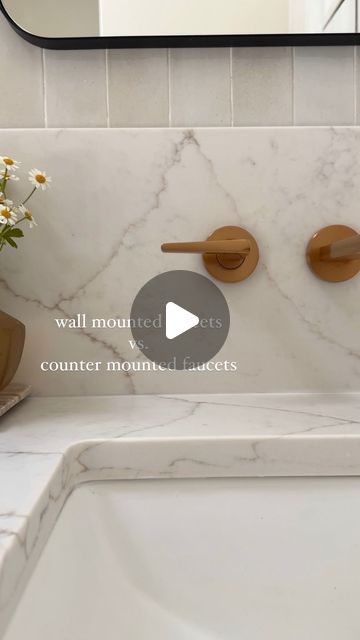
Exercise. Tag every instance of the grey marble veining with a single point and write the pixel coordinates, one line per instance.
(117, 195)
(50, 445)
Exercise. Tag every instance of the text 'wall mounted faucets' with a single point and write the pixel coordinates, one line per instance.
(230, 254)
(333, 253)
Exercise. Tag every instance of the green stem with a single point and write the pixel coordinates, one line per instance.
(3, 183)
(29, 196)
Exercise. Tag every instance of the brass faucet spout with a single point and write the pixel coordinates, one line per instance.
(230, 254)
(241, 247)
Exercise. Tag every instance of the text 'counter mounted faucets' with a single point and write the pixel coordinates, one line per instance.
(230, 254)
(333, 253)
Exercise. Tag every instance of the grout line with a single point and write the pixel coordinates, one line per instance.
(44, 89)
(231, 88)
(107, 88)
(355, 83)
(293, 110)
(169, 86)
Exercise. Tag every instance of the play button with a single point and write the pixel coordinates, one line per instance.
(180, 320)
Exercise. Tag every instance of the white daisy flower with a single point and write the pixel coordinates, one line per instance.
(9, 163)
(39, 179)
(25, 213)
(7, 216)
(8, 176)
(4, 201)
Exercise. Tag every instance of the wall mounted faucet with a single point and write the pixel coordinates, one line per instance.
(230, 254)
(333, 253)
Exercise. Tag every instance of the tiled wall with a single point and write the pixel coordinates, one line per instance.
(177, 87)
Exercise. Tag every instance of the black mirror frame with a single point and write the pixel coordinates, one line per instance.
(156, 42)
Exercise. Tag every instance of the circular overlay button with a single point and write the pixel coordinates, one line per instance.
(180, 320)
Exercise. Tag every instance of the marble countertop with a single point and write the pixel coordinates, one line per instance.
(49, 445)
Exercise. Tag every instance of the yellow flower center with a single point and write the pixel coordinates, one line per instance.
(6, 213)
(40, 178)
(28, 215)
(9, 162)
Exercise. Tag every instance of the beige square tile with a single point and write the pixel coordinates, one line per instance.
(21, 80)
(262, 86)
(324, 85)
(200, 87)
(76, 88)
(138, 88)
(357, 83)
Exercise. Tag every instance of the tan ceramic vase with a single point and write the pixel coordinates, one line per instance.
(12, 338)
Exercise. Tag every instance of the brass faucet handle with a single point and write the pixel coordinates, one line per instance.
(230, 254)
(333, 253)
(238, 246)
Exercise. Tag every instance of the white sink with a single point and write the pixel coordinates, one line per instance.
(199, 559)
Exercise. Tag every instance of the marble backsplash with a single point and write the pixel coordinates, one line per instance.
(118, 194)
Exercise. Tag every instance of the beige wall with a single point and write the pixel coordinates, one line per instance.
(121, 17)
(188, 17)
(56, 18)
(310, 16)
(160, 17)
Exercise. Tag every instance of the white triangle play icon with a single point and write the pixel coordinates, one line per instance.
(178, 320)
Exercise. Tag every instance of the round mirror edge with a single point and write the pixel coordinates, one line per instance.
(149, 42)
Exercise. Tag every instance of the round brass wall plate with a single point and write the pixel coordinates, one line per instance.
(331, 270)
(232, 267)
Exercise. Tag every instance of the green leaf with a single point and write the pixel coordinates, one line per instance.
(11, 232)
(15, 233)
(11, 242)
